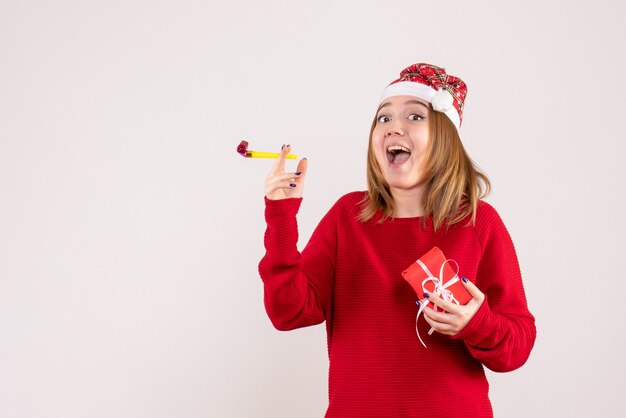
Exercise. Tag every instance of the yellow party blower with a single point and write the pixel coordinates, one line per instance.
(242, 149)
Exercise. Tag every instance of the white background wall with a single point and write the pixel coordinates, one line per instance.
(130, 230)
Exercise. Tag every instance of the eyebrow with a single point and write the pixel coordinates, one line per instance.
(407, 102)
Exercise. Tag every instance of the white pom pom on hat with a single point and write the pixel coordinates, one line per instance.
(442, 101)
(428, 82)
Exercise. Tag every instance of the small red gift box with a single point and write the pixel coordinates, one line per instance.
(433, 273)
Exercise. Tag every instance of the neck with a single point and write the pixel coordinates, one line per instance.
(408, 203)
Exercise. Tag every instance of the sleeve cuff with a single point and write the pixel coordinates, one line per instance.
(278, 209)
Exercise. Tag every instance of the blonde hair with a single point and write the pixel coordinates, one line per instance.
(454, 184)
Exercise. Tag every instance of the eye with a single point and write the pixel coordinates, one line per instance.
(415, 116)
(382, 119)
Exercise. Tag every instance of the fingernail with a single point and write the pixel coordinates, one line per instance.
(464, 279)
(282, 146)
(292, 185)
(426, 295)
(417, 302)
(297, 173)
(288, 145)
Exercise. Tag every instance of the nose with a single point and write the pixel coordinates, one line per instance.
(394, 128)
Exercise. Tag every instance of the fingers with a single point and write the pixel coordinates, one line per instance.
(288, 176)
(439, 321)
(285, 179)
(477, 298)
(474, 291)
(303, 165)
(446, 306)
(454, 317)
(436, 316)
(443, 322)
(281, 185)
(279, 166)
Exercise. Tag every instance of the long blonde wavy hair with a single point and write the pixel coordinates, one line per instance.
(454, 184)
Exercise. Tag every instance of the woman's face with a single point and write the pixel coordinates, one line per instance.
(400, 139)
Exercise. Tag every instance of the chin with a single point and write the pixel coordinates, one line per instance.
(404, 185)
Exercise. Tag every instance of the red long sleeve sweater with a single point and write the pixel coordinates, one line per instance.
(349, 275)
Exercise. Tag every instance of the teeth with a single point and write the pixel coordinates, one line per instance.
(397, 148)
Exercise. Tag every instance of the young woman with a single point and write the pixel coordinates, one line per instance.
(423, 191)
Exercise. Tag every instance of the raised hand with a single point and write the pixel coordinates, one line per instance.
(281, 185)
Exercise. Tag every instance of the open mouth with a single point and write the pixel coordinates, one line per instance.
(397, 154)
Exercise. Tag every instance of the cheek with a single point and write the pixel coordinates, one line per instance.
(421, 138)
(377, 136)
(420, 141)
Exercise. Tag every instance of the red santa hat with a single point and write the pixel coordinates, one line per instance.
(444, 92)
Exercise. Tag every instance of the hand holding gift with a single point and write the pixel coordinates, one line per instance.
(455, 301)
(454, 317)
